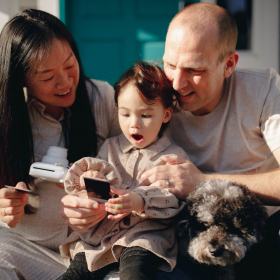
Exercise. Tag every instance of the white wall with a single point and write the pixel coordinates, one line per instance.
(265, 36)
(50, 6)
(8, 8)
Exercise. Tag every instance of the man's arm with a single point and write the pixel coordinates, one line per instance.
(184, 177)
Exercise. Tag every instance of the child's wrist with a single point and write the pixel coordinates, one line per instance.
(139, 203)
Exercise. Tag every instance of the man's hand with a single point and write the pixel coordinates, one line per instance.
(12, 205)
(81, 213)
(182, 176)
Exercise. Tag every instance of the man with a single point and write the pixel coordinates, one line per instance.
(229, 120)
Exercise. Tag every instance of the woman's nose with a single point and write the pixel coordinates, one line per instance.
(63, 80)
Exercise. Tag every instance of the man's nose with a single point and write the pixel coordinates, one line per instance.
(180, 79)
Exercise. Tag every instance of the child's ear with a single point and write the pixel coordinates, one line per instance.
(167, 115)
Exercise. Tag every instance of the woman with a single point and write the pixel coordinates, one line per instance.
(57, 107)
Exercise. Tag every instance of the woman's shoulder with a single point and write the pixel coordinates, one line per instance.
(102, 87)
(99, 91)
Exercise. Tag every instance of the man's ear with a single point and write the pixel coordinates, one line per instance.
(167, 115)
(231, 62)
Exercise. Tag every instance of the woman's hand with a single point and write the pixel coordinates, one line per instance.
(124, 204)
(176, 176)
(12, 205)
(81, 213)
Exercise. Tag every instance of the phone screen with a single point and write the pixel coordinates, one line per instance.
(100, 186)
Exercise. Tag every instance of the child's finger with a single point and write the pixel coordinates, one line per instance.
(117, 208)
(118, 191)
(117, 217)
(117, 200)
(94, 174)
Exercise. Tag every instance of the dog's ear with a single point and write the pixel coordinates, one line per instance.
(183, 228)
(183, 225)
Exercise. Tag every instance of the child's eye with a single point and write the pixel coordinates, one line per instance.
(125, 115)
(145, 116)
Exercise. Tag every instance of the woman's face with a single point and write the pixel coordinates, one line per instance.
(55, 81)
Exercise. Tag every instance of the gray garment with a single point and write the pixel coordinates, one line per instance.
(240, 135)
(31, 249)
(123, 164)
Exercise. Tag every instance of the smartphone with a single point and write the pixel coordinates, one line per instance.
(100, 186)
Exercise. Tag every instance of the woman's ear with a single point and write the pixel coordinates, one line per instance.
(231, 62)
(167, 115)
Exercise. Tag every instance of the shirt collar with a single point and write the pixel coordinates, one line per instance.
(40, 107)
(157, 147)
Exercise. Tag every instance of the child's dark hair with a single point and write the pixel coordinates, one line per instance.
(152, 85)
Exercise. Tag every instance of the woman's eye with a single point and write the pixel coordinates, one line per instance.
(69, 67)
(47, 79)
(125, 115)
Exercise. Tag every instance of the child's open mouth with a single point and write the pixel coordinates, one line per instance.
(137, 137)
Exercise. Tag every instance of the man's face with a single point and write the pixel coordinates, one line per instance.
(191, 64)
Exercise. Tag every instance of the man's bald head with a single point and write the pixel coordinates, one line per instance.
(203, 18)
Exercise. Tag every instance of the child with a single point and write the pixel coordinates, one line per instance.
(139, 234)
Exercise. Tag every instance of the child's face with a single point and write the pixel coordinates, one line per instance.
(140, 122)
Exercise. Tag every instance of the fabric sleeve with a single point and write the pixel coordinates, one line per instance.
(270, 116)
(159, 203)
(72, 179)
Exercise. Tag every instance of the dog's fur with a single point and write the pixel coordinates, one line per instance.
(221, 221)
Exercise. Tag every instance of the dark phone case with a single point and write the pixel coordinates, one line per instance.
(99, 186)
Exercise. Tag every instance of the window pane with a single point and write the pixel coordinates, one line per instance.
(242, 12)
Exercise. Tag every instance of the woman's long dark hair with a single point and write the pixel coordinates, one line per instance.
(25, 42)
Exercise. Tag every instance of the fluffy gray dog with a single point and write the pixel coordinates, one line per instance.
(222, 220)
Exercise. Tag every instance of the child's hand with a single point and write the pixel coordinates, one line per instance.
(124, 204)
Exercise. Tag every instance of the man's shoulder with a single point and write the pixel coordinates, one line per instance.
(248, 73)
(254, 82)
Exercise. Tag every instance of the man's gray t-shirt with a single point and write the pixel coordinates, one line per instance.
(240, 135)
